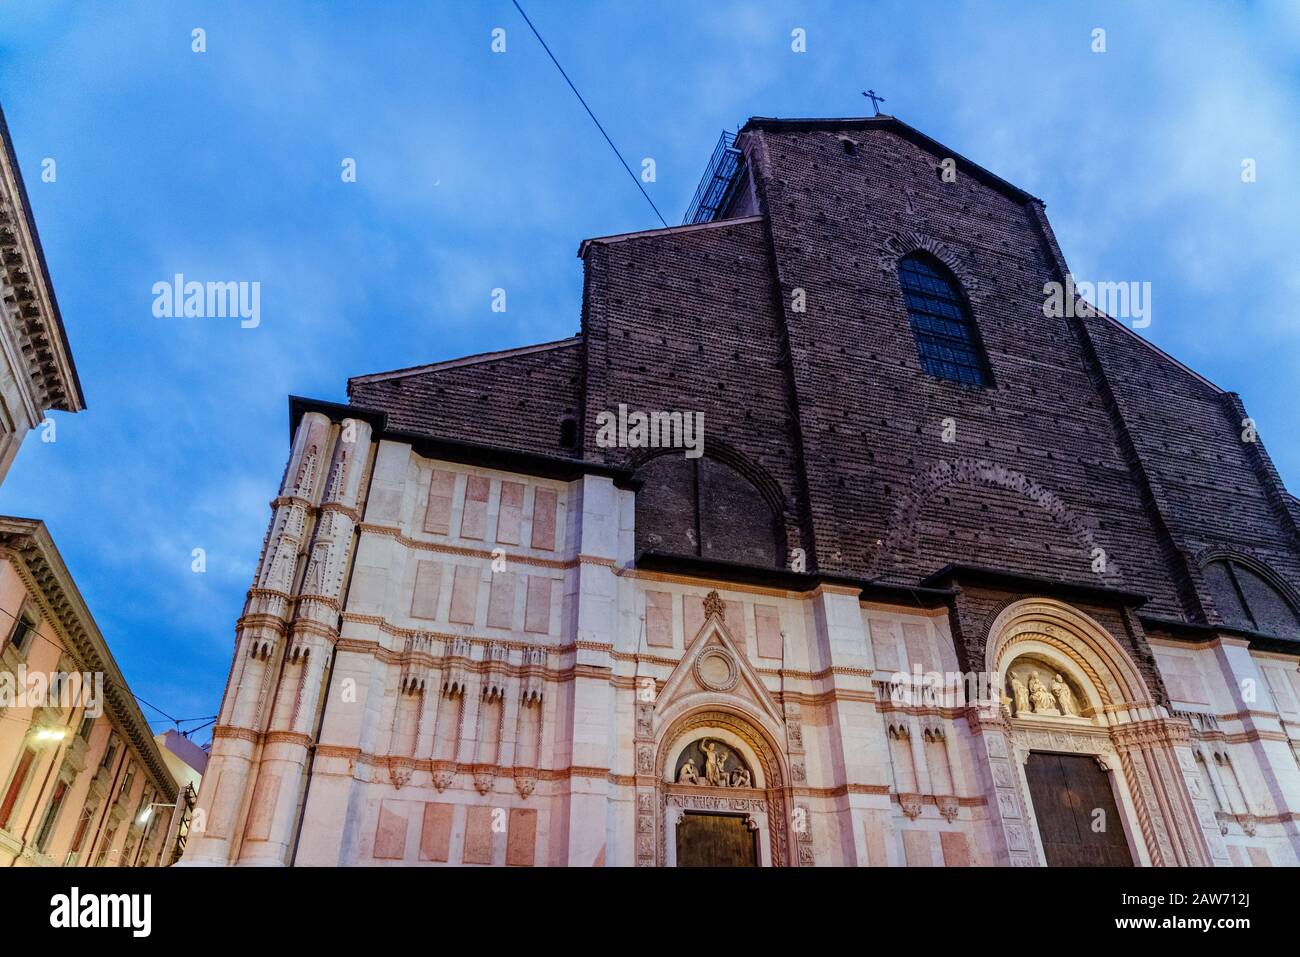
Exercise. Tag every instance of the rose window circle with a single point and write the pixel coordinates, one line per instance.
(716, 669)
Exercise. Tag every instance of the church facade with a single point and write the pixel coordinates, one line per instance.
(825, 542)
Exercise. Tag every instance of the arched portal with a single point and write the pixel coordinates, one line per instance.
(717, 761)
(1081, 740)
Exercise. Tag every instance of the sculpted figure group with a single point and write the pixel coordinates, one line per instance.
(715, 769)
(1034, 697)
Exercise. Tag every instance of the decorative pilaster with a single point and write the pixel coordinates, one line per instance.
(283, 645)
(646, 782)
(1157, 760)
(314, 631)
(1002, 779)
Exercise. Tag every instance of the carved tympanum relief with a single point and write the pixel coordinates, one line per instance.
(713, 763)
(1034, 687)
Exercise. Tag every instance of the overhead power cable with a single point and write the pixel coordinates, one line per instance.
(589, 113)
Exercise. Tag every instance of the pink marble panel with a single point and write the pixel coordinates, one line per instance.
(501, 600)
(521, 843)
(390, 831)
(658, 619)
(478, 836)
(474, 519)
(510, 513)
(537, 613)
(767, 620)
(918, 848)
(464, 594)
(428, 585)
(956, 849)
(437, 515)
(435, 832)
(544, 507)
(262, 811)
(692, 616)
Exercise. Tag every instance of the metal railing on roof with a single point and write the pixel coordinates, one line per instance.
(718, 183)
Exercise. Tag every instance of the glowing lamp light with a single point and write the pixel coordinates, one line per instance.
(51, 734)
(146, 814)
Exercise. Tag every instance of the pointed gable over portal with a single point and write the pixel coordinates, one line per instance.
(714, 671)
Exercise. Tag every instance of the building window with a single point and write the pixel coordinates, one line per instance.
(21, 636)
(79, 835)
(15, 789)
(1245, 598)
(568, 432)
(87, 725)
(110, 752)
(51, 816)
(102, 857)
(946, 338)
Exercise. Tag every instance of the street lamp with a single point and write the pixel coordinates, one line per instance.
(148, 812)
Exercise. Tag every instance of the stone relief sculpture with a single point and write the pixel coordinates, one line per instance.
(1021, 694)
(1036, 690)
(715, 772)
(1064, 697)
(1041, 698)
(715, 763)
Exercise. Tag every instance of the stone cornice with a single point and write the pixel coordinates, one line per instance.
(27, 545)
(33, 322)
(238, 734)
(1156, 731)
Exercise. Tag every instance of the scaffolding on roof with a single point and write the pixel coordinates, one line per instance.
(718, 183)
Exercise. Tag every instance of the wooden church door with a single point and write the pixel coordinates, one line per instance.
(1077, 817)
(715, 840)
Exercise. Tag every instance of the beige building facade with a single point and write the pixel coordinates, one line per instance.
(82, 783)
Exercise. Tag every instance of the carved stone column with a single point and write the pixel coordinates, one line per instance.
(313, 634)
(995, 765)
(259, 651)
(1157, 760)
(647, 785)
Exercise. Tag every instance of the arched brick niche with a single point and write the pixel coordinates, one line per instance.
(717, 506)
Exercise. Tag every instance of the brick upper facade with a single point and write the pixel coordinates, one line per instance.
(1088, 438)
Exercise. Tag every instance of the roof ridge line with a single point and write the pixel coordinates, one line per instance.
(684, 228)
(473, 359)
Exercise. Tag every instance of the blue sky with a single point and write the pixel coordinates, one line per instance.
(478, 170)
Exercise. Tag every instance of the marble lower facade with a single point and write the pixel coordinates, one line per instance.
(442, 663)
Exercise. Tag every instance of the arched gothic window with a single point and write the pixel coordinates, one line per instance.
(1247, 599)
(946, 338)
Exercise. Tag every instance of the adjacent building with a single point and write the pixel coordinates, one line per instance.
(954, 577)
(185, 762)
(37, 373)
(81, 779)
